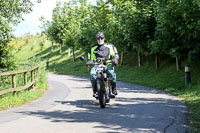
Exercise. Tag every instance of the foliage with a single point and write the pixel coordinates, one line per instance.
(177, 30)
(10, 13)
(164, 27)
(42, 45)
(17, 44)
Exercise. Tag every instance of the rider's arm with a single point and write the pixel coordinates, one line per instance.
(116, 56)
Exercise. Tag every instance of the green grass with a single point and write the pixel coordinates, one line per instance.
(20, 98)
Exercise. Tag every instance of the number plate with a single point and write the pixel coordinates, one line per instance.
(99, 68)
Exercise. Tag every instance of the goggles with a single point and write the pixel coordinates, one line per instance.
(100, 38)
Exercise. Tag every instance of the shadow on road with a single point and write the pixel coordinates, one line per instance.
(128, 114)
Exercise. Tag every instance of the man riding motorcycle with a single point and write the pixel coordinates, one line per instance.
(109, 52)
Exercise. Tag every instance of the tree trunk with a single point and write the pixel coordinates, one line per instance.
(68, 51)
(156, 61)
(60, 48)
(52, 46)
(139, 59)
(122, 55)
(177, 64)
(73, 55)
(86, 55)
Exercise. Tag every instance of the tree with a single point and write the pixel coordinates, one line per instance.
(119, 25)
(177, 28)
(143, 27)
(10, 14)
(88, 27)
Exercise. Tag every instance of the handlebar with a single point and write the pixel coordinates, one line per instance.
(90, 62)
(99, 60)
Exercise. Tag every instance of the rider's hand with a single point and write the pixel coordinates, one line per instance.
(90, 62)
(95, 52)
(115, 62)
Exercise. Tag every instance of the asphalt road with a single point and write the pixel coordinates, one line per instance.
(68, 107)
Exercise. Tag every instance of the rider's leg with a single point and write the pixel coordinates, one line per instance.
(93, 81)
(114, 90)
(112, 78)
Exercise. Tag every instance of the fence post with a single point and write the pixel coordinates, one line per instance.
(32, 78)
(14, 83)
(47, 64)
(25, 78)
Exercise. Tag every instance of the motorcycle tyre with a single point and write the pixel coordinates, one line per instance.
(101, 94)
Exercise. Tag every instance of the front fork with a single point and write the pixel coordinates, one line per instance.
(107, 85)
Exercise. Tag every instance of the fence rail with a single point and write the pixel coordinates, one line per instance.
(26, 85)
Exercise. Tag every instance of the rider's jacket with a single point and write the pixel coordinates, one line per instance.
(106, 50)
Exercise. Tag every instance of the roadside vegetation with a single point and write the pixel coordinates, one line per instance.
(23, 52)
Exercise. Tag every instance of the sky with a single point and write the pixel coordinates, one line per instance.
(31, 21)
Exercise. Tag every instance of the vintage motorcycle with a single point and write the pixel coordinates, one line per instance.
(103, 84)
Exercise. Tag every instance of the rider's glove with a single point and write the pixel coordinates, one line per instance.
(115, 62)
(90, 62)
(95, 52)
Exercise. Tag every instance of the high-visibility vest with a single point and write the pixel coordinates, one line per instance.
(91, 55)
(112, 53)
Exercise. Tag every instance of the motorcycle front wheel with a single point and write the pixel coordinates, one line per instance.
(101, 93)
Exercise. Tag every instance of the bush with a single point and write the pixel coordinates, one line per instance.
(42, 45)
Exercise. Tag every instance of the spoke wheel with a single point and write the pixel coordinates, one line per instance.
(101, 94)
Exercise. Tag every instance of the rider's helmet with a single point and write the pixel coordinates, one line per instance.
(100, 38)
(100, 34)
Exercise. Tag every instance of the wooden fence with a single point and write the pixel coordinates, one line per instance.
(26, 84)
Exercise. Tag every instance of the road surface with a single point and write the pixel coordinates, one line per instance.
(68, 107)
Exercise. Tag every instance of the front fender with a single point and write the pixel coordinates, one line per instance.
(99, 76)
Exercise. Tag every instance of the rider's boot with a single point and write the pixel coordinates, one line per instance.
(114, 91)
(95, 94)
